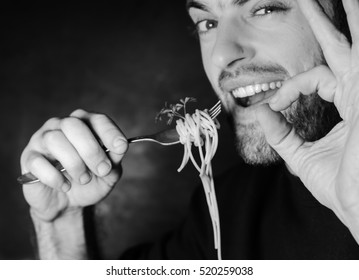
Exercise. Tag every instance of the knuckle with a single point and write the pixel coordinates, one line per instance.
(36, 139)
(33, 161)
(35, 142)
(52, 122)
(99, 117)
(70, 123)
(26, 153)
(23, 158)
(51, 136)
(79, 113)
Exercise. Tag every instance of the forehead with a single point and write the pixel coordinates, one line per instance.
(208, 5)
(327, 5)
(218, 3)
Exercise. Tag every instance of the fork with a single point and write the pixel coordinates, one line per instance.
(166, 137)
(170, 136)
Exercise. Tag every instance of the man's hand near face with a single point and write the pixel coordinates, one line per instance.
(57, 201)
(329, 167)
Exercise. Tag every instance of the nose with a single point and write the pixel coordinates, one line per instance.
(230, 46)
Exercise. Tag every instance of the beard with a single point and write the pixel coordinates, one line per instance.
(311, 117)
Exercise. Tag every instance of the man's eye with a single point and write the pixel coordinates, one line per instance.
(266, 10)
(204, 26)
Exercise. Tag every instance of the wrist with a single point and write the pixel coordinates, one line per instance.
(62, 237)
(50, 217)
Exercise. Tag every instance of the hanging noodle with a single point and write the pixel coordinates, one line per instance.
(201, 130)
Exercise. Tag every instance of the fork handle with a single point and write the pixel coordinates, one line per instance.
(29, 178)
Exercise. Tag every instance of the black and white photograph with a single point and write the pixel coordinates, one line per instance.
(181, 130)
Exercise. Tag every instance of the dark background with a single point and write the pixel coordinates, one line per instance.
(125, 62)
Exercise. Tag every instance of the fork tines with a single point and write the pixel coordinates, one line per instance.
(215, 110)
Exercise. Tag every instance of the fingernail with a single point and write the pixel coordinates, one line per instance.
(119, 142)
(85, 178)
(103, 168)
(66, 187)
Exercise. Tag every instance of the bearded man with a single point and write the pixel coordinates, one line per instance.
(286, 72)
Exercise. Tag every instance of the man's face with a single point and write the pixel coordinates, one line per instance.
(249, 48)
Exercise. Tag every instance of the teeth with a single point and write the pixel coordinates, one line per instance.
(253, 89)
(242, 92)
(250, 90)
(257, 88)
(265, 87)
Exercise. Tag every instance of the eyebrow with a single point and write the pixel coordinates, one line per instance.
(198, 5)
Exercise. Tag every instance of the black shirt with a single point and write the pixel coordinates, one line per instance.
(265, 213)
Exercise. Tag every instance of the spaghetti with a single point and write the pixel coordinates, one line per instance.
(201, 130)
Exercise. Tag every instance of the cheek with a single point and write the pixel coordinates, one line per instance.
(301, 52)
(211, 71)
(293, 46)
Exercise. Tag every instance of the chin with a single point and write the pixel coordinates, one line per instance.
(253, 147)
(311, 117)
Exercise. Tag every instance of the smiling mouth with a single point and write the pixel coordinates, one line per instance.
(253, 94)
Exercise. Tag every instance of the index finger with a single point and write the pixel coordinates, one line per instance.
(107, 131)
(334, 44)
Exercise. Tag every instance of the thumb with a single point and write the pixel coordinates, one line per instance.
(281, 136)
